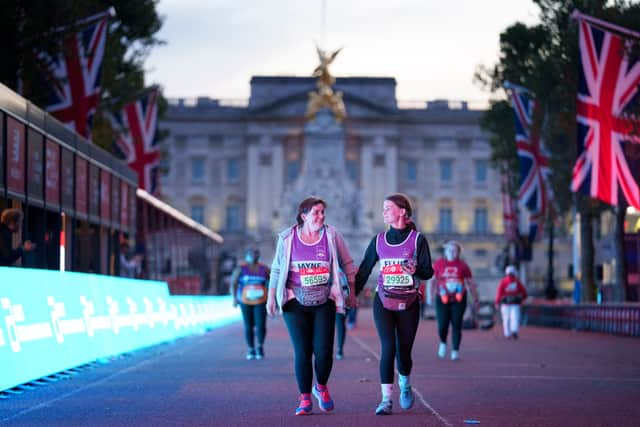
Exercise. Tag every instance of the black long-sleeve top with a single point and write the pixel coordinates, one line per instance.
(8, 255)
(424, 271)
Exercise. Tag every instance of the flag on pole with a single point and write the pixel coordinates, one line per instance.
(509, 210)
(609, 80)
(535, 192)
(74, 75)
(137, 124)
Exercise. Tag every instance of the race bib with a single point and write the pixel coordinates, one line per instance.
(254, 294)
(393, 276)
(453, 286)
(314, 276)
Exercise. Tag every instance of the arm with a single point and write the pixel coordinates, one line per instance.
(346, 262)
(369, 260)
(500, 292)
(233, 284)
(472, 287)
(274, 275)
(424, 269)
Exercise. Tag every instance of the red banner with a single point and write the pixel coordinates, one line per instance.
(124, 204)
(105, 195)
(35, 166)
(94, 190)
(15, 156)
(52, 173)
(81, 185)
(115, 201)
(67, 194)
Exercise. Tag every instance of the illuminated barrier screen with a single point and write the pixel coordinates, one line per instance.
(51, 321)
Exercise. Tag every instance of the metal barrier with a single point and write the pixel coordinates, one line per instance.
(620, 319)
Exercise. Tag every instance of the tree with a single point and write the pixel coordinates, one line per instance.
(40, 25)
(544, 58)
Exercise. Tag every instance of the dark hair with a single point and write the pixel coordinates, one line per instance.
(306, 205)
(403, 202)
(11, 216)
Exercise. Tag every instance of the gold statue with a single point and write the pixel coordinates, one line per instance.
(325, 96)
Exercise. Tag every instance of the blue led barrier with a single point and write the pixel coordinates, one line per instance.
(52, 321)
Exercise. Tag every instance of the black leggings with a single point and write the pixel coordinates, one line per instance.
(341, 329)
(397, 331)
(311, 330)
(451, 313)
(254, 316)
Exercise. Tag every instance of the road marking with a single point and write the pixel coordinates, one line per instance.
(530, 377)
(415, 390)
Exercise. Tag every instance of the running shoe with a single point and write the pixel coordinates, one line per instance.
(384, 408)
(442, 350)
(251, 354)
(304, 405)
(259, 353)
(455, 355)
(324, 398)
(406, 398)
(339, 355)
(515, 335)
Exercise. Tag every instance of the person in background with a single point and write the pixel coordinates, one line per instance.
(405, 259)
(452, 280)
(305, 285)
(509, 297)
(129, 267)
(10, 222)
(249, 290)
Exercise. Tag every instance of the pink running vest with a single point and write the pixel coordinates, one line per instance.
(310, 271)
(397, 290)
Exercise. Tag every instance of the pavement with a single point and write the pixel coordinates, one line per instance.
(549, 377)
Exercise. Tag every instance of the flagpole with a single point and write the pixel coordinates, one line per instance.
(109, 13)
(577, 247)
(577, 15)
(512, 86)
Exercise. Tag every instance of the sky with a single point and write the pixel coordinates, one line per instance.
(432, 48)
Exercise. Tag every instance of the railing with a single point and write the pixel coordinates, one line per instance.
(623, 319)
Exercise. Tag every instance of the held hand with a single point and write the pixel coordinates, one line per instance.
(351, 301)
(28, 246)
(272, 307)
(409, 267)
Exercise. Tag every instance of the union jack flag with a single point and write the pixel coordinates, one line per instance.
(74, 77)
(535, 192)
(137, 122)
(609, 80)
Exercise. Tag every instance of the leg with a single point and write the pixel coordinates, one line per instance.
(386, 326)
(504, 313)
(406, 329)
(300, 326)
(341, 331)
(457, 312)
(249, 322)
(260, 312)
(515, 318)
(324, 324)
(443, 314)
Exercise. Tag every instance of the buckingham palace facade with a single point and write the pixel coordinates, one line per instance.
(234, 166)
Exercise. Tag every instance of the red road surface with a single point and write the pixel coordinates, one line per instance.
(547, 378)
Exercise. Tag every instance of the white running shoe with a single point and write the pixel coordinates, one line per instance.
(455, 355)
(442, 350)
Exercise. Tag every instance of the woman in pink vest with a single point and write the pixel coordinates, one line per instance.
(452, 280)
(305, 285)
(405, 259)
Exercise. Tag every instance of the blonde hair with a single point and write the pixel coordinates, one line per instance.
(11, 216)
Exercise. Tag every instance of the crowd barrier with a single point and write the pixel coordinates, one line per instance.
(52, 321)
(620, 319)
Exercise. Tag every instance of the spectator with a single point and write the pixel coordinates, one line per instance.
(129, 267)
(10, 222)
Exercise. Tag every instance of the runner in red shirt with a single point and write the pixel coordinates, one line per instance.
(452, 280)
(509, 297)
